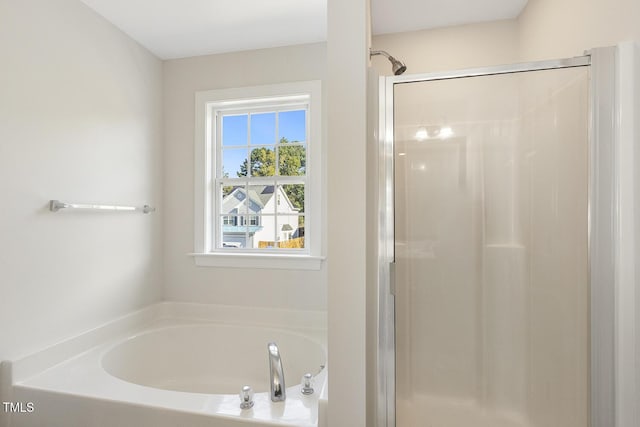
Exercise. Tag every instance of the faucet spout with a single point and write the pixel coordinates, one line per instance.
(276, 375)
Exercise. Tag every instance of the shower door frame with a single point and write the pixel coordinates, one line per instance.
(603, 213)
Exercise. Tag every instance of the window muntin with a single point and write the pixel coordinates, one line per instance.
(260, 176)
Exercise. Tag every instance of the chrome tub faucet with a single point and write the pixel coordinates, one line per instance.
(276, 375)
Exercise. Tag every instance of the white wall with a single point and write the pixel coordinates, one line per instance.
(80, 121)
(347, 45)
(232, 286)
(628, 298)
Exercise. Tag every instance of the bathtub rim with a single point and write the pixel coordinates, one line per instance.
(21, 369)
(319, 375)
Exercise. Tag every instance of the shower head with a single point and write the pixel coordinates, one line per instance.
(397, 67)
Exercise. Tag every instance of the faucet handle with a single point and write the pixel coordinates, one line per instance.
(307, 384)
(246, 397)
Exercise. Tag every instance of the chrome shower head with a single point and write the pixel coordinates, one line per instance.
(397, 67)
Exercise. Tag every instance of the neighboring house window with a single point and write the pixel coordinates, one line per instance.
(258, 173)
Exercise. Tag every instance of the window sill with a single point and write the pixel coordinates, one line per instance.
(267, 261)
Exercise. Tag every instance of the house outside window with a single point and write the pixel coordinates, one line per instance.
(258, 176)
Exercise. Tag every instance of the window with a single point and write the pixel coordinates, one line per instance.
(258, 171)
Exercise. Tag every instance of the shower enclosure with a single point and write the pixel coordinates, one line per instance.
(495, 302)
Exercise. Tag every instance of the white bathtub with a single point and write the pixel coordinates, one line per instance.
(178, 364)
(212, 358)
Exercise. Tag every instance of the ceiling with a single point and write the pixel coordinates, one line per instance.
(182, 28)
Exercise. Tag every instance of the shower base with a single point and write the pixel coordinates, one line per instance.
(430, 411)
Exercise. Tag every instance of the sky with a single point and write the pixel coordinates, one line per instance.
(235, 133)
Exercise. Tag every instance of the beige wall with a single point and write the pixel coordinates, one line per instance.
(232, 286)
(451, 48)
(546, 29)
(634, 255)
(556, 29)
(80, 121)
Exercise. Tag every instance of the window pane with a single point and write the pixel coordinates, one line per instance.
(233, 200)
(234, 235)
(290, 199)
(234, 130)
(234, 162)
(292, 126)
(263, 129)
(226, 190)
(265, 237)
(261, 199)
(292, 159)
(291, 232)
(263, 161)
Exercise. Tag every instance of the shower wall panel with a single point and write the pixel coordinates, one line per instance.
(491, 250)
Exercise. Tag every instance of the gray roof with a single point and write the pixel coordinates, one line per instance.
(260, 195)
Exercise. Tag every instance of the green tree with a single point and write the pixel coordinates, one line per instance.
(263, 163)
(292, 159)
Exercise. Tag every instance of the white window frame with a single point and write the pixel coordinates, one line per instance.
(206, 219)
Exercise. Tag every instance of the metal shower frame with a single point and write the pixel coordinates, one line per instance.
(602, 225)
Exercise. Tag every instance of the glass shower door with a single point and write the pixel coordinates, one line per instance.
(491, 250)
